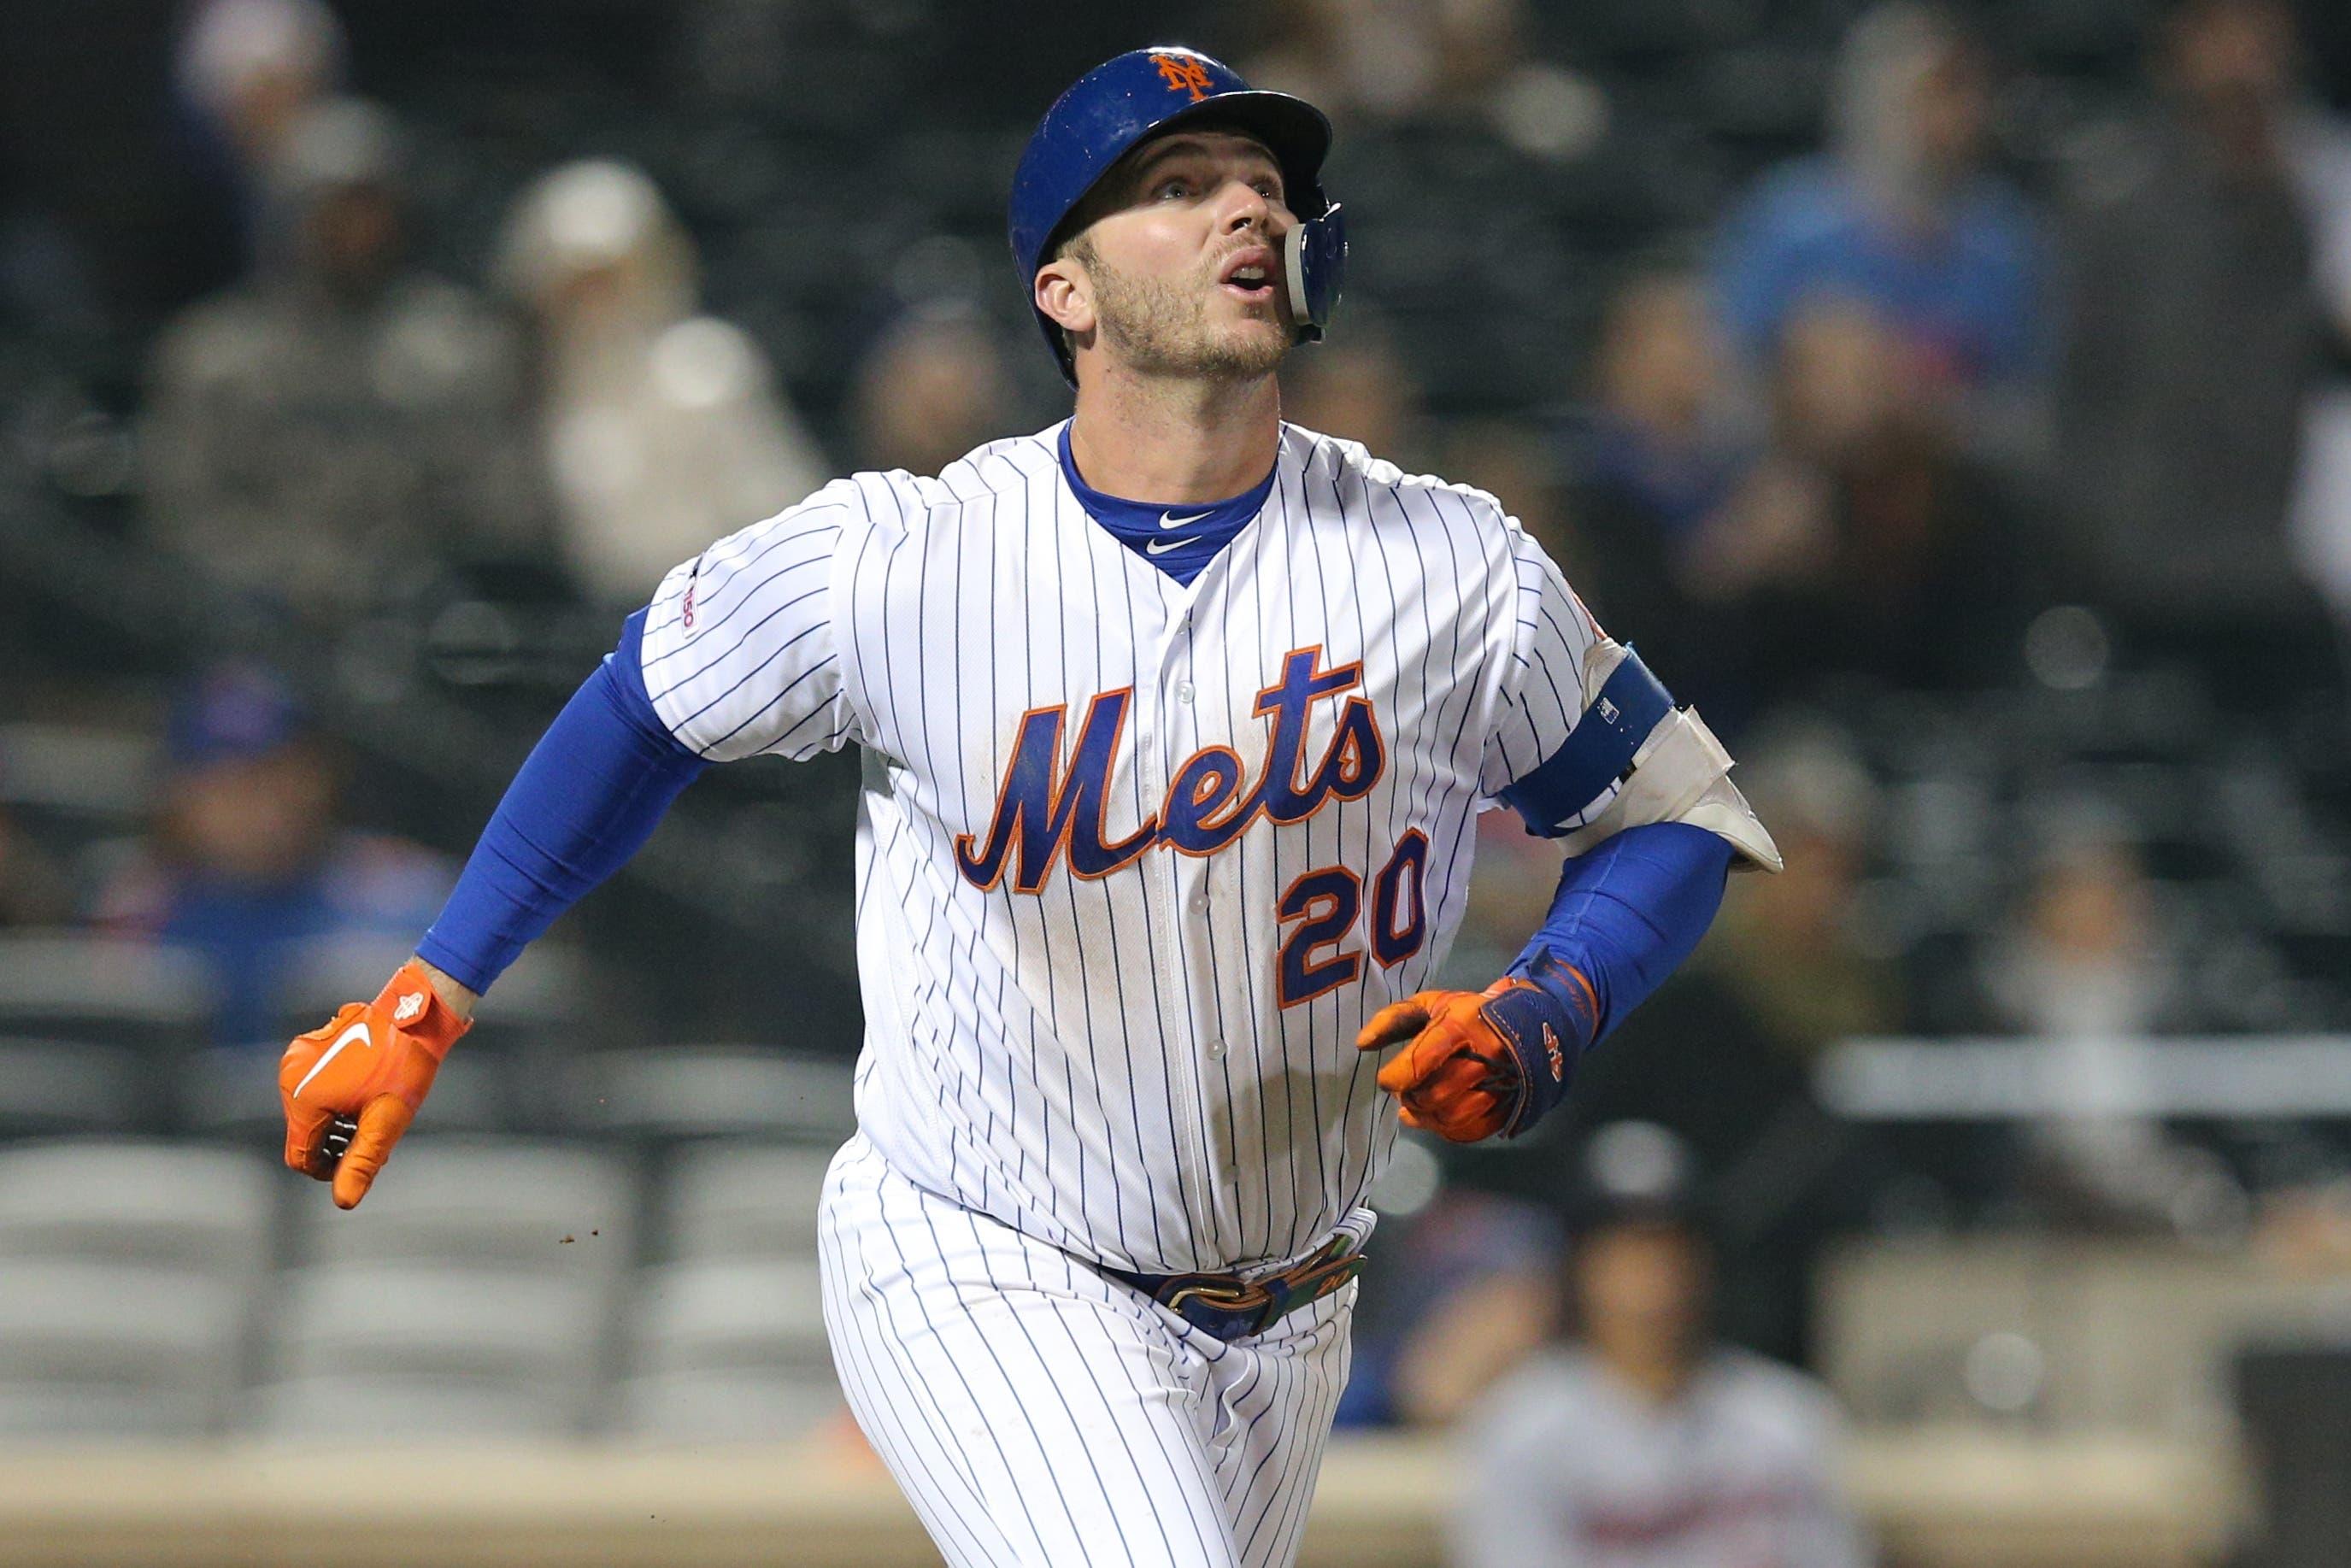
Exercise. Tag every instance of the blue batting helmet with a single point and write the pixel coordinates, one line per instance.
(1141, 93)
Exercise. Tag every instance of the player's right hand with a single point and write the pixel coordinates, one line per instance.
(372, 1063)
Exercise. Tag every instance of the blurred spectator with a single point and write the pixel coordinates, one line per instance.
(2086, 968)
(33, 890)
(1657, 442)
(248, 71)
(1865, 541)
(1860, 538)
(1790, 945)
(1469, 1288)
(932, 387)
(1646, 1445)
(327, 436)
(2318, 151)
(663, 428)
(1652, 464)
(1429, 60)
(2321, 515)
(1901, 213)
(247, 862)
(2194, 331)
(2085, 960)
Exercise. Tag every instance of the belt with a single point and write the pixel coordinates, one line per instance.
(1231, 1308)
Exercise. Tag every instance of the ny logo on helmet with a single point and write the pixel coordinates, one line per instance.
(1184, 75)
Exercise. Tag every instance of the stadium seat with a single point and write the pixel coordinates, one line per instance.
(71, 789)
(443, 1334)
(1763, 92)
(726, 1347)
(410, 1408)
(101, 988)
(711, 1314)
(201, 1210)
(684, 1091)
(49, 1087)
(744, 1200)
(86, 1352)
(102, 773)
(545, 1209)
(726, 1406)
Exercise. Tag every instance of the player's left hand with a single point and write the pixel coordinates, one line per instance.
(1482, 1062)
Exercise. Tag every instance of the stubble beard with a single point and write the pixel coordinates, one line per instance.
(1161, 329)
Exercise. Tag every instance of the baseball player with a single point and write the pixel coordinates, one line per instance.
(1175, 719)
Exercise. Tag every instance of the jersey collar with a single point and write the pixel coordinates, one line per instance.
(1180, 541)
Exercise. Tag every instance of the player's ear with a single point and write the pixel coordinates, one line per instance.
(1065, 294)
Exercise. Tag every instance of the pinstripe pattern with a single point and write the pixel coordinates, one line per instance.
(1036, 1412)
(1109, 1018)
(1105, 1061)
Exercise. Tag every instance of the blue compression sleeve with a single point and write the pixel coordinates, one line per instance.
(588, 797)
(1628, 911)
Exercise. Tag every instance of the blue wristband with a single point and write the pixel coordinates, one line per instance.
(1548, 1024)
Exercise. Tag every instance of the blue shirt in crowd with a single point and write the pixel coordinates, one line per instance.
(1967, 296)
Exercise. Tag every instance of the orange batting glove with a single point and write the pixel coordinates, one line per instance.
(372, 1063)
(1482, 1062)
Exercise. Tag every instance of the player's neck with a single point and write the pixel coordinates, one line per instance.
(1173, 442)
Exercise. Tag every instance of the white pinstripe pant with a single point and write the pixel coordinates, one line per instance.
(1035, 1412)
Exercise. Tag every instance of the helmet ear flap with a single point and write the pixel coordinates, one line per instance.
(1315, 265)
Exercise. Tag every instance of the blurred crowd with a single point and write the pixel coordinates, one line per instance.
(1956, 409)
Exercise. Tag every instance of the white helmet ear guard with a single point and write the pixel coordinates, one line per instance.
(1314, 265)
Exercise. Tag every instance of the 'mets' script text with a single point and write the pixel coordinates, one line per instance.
(1043, 811)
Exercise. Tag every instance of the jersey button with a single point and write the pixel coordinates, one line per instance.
(1184, 692)
(1215, 1051)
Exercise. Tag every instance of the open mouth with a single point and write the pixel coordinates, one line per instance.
(1249, 275)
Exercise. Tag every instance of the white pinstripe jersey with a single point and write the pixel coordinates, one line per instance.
(1136, 858)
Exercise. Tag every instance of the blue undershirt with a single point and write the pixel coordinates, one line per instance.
(1629, 910)
(1180, 541)
(588, 797)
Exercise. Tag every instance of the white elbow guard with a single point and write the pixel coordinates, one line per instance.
(1682, 774)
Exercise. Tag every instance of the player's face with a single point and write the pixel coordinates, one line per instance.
(254, 820)
(1182, 276)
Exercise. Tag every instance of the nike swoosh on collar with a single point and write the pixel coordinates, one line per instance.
(1170, 520)
(1161, 547)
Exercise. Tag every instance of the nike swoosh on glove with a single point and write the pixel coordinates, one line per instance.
(1483, 1062)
